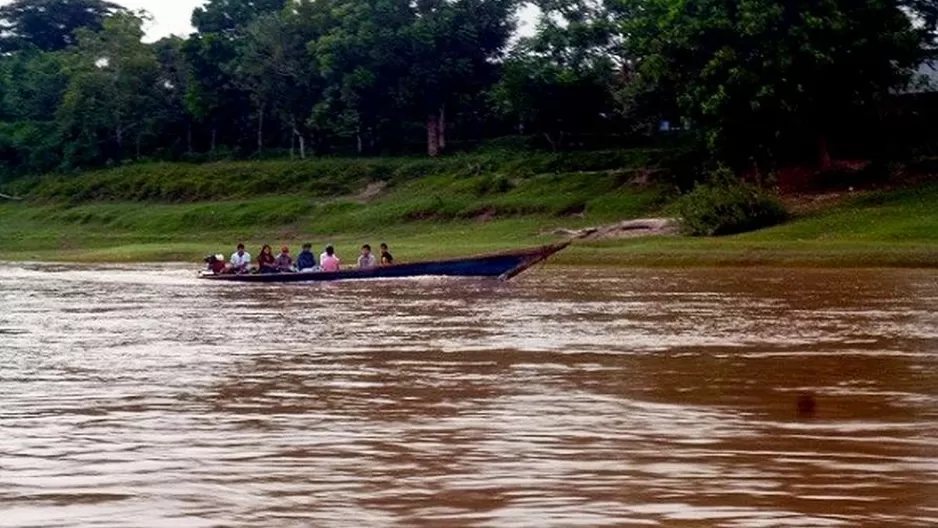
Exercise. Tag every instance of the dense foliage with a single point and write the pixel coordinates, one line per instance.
(725, 208)
(754, 80)
(755, 74)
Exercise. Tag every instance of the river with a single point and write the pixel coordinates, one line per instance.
(139, 396)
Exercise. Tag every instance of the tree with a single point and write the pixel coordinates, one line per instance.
(755, 75)
(50, 25)
(561, 81)
(396, 60)
(214, 96)
(112, 94)
(34, 85)
(31, 88)
(453, 47)
(274, 67)
(211, 97)
(361, 57)
(229, 17)
(173, 87)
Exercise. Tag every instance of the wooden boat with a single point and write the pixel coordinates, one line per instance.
(503, 266)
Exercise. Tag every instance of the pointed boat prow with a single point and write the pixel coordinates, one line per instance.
(536, 258)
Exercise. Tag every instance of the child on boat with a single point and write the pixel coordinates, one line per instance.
(329, 261)
(386, 258)
(367, 259)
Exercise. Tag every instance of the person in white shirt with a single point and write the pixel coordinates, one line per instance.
(240, 260)
(367, 259)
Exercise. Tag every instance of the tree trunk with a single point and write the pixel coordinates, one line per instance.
(189, 136)
(292, 146)
(433, 135)
(214, 139)
(119, 134)
(118, 130)
(442, 129)
(260, 130)
(138, 146)
(824, 153)
(302, 141)
(553, 145)
(358, 141)
(298, 135)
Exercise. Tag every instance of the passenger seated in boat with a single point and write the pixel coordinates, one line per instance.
(329, 261)
(266, 263)
(386, 258)
(284, 262)
(305, 261)
(215, 264)
(240, 261)
(367, 258)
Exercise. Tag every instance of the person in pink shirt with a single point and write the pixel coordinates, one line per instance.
(328, 261)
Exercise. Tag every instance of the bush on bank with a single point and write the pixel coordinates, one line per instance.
(723, 208)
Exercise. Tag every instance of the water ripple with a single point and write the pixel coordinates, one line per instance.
(140, 396)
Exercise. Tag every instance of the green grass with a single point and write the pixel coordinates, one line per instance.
(422, 215)
(319, 177)
(896, 228)
(907, 215)
(429, 209)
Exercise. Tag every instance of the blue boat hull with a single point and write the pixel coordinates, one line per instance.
(503, 266)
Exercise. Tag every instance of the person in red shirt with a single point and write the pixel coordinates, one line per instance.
(216, 264)
(265, 261)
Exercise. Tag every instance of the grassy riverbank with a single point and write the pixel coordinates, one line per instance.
(428, 209)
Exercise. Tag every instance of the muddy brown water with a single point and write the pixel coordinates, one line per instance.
(138, 396)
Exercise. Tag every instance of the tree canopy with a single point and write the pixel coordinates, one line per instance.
(50, 25)
(758, 82)
(752, 72)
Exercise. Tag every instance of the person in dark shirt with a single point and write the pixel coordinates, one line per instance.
(386, 258)
(305, 261)
(265, 261)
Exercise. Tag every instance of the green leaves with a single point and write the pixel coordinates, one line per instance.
(50, 25)
(230, 17)
(113, 82)
(753, 78)
(388, 61)
(561, 81)
(751, 74)
(727, 207)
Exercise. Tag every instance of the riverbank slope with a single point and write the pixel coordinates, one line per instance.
(437, 208)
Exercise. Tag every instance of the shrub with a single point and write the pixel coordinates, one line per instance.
(726, 209)
(491, 184)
